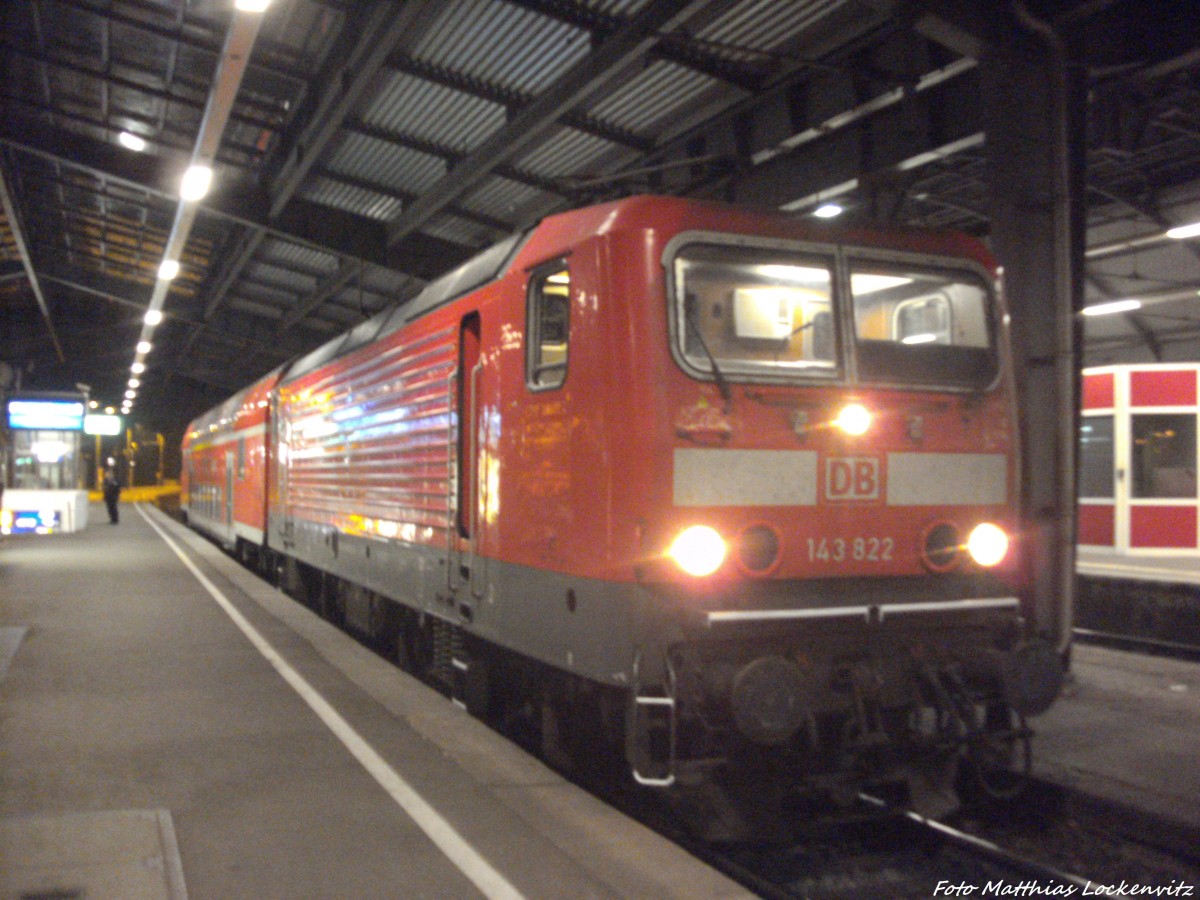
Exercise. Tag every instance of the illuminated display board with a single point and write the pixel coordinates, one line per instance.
(97, 424)
(47, 415)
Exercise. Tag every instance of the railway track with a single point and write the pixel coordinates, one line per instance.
(1059, 844)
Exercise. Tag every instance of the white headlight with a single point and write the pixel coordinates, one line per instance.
(698, 550)
(987, 544)
(854, 419)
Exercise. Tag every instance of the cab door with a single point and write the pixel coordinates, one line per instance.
(466, 575)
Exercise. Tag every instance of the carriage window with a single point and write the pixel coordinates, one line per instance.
(748, 310)
(548, 328)
(1164, 456)
(922, 326)
(1096, 457)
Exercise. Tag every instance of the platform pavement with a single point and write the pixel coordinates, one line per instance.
(1126, 729)
(133, 697)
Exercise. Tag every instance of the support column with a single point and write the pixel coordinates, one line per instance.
(1033, 110)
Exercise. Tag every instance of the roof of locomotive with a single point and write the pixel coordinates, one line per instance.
(668, 215)
(557, 234)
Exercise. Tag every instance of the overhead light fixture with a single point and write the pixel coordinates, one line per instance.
(169, 268)
(131, 141)
(251, 6)
(1185, 231)
(143, 347)
(828, 210)
(135, 382)
(1108, 309)
(196, 182)
(130, 394)
(137, 368)
(153, 317)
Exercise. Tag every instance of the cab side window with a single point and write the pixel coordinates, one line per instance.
(548, 328)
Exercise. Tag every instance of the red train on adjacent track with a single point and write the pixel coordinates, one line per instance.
(723, 489)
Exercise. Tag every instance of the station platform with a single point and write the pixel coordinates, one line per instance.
(1126, 730)
(171, 726)
(1099, 562)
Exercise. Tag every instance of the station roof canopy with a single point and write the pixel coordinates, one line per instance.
(359, 149)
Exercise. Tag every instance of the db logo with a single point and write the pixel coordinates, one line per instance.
(852, 478)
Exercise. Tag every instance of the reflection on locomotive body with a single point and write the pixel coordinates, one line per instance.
(712, 488)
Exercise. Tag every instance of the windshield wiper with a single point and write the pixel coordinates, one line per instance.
(722, 384)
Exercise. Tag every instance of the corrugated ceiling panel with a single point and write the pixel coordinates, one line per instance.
(277, 277)
(297, 256)
(763, 24)
(351, 199)
(653, 95)
(567, 151)
(623, 8)
(502, 44)
(458, 230)
(386, 164)
(500, 198)
(420, 109)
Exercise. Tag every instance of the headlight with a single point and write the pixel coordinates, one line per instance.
(987, 544)
(698, 550)
(854, 419)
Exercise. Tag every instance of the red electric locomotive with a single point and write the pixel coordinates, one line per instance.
(724, 488)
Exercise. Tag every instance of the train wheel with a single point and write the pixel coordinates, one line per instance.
(1000, 757)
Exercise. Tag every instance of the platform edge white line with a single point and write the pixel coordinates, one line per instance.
(465, 857)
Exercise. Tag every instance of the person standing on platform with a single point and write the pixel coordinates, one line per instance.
(112, 491)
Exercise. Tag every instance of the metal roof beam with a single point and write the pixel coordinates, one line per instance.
(501, 228)
(105, 77)
(452, 157)
(680, 49)
(513, 100)
(177, 33)
(328, 288)
(239, 202)
(578, 85)
(369, 34)
(14, 227)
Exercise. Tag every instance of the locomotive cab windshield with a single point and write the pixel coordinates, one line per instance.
(770, 313)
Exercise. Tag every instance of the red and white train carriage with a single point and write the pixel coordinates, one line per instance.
(741, 488)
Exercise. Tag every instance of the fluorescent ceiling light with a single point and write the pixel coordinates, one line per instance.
(153, 316)
(130, 394)
(169, 268)
(135, 382)
(1185, 231)
(196, 182)
(143, 347)
(828, 211)
(864, 283)
(131, 141)
(1117, 306)
(137, 368)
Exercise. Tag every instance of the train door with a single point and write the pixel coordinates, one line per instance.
(466, 574)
